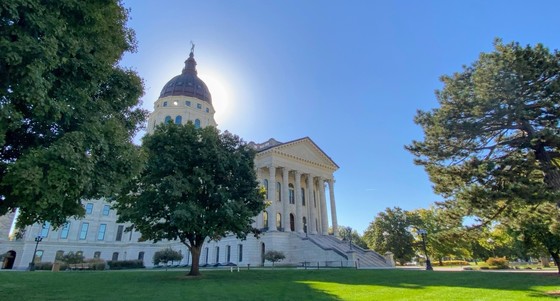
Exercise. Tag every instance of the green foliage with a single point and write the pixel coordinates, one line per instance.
(389, 232)
(498, 262)
(71, 258)
(196, 184)
(346, 232)
(96, 264)
(68, 112)
(166, 255)
(274, 256)
(125, 264)
(493, 139)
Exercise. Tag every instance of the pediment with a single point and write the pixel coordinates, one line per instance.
(303, 149)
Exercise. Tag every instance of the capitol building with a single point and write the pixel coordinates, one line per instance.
(298, 178)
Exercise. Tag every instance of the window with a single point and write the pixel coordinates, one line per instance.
(106, 210)
(120, 229)
(304, 224)
(303, 196)
(167, 119)
(291, 194)
(97, 255)
(207, 110)
(197, 123)
(228, 254)
(217, 254)
(83, 231)
(64, 231)
(80, 253)
(115, 256)
(179, 119)
(140, 255)
(89, 208)
(292, 223)
(265, 219)
(165, 103)
(45, 229)
(101, 232)
(198, 106)
(278, 221)
(278, 191)
(206, 261)
(240, 253)
(59, 255)
(265, 184)
(188, 103)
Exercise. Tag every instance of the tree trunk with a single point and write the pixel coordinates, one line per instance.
(195, 253)
(556, 259)
(440, 262)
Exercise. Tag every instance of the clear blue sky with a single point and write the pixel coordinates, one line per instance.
(348, 74)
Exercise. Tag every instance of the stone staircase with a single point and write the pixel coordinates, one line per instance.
(364, 258)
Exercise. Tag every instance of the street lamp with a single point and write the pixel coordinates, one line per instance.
(423, 233)
(350, 236)
(38, 239)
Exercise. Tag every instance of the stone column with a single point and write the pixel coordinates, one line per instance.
(285, 200)
(299, 223)
(324, 216)
(272, 198)
(311, 205)
(333, 207)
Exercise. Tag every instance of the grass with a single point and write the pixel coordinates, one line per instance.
(278, 284)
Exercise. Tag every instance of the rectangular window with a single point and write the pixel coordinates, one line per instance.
(80, 253)
(165, 103)
(198, 106)
(83, 231)
(217, 254)
(207, 251)
(240, 253)
(101, 232)
(106, 210)
(115, 256)
(228, 254)
(97, 255)
(140, 255)
(119, 233)
(188, 103)
(64, 231)
(207, 110)
(89, 208)
(59, 255)
(45, 229)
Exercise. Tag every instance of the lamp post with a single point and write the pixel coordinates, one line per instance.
(423, 233)
(350, 236)
(38, 239)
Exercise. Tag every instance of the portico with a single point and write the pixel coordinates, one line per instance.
(294, 175)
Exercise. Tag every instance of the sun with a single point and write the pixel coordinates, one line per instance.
(222, 95)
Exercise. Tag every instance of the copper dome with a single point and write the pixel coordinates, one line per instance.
(187, 83)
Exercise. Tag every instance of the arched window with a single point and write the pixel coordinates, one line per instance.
(167, 119)
(265, 184)
(278, 191)
(304, 224)
(292, 223)
(179, 119)
(291, 194)
(197, 123)
(265, 219)
(303, 196)
(278, 221)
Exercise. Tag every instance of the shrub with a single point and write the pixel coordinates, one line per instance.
(71, 258)
(125, 264)
(96, 264)
(484, 268)
(274, 256)
(498, 262)
(166, 255)
(455, 262)
(43, 266)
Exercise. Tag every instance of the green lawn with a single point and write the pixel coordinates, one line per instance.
(279, 284)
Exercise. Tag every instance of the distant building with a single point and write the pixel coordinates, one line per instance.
(293, 173)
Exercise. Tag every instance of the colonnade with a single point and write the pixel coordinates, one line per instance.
(307, 202)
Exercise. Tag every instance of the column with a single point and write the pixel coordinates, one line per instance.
(272, 198)
(311, 206)
(333, 208)
(324, 216)
(299, 223)
(285, 200)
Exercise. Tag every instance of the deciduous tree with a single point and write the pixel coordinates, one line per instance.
(67, 111)
(197, 184)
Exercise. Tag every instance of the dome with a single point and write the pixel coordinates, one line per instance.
(187, 83)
